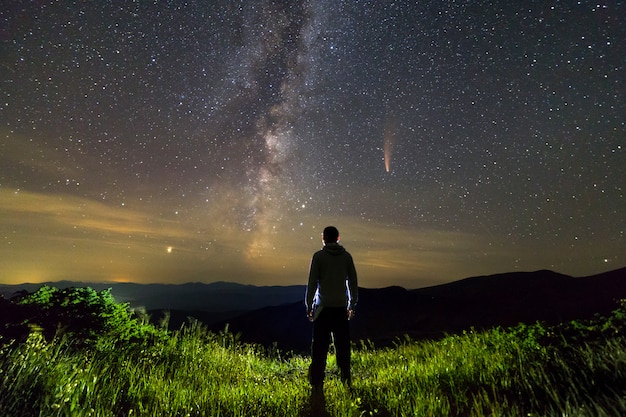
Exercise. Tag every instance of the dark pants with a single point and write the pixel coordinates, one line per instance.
(330, 320)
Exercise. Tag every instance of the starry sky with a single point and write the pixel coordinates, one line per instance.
(177, 141)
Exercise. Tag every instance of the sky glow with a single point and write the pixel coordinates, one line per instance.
(205, 141)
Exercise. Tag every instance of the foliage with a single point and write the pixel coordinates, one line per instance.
(528, 370)
(90, 317)
(597, 329)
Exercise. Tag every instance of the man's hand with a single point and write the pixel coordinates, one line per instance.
(351, 314)
(310, 315)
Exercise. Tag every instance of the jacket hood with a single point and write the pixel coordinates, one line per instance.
(333, 248)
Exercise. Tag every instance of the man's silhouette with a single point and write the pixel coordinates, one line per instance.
(331, 297)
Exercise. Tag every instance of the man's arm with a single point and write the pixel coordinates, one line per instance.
(312, 284)
(353, 285)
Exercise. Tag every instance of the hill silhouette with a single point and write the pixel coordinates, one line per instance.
(386, 314)
(217, 297)
(275, 316)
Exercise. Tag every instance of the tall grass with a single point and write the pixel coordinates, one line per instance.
(192, 373)
(197, 373)
(493, 373)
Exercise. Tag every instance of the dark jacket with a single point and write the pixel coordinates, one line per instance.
(332, 279)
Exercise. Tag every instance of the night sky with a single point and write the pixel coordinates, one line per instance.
(178, 141)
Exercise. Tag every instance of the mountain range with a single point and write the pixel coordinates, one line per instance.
(216, 297)
(275, 315)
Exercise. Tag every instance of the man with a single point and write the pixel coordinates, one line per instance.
(331, 297)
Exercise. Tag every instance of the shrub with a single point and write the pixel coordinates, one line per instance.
(90, 317)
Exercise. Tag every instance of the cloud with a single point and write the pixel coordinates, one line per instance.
(51, 237)
(64, 212)
(66, 237)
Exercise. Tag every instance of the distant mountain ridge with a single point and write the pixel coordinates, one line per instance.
(386, 314)
(276, 316)
(216, 297)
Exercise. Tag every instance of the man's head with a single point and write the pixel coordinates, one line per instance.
(330, 235)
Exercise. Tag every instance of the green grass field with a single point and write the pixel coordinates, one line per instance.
(574, 370)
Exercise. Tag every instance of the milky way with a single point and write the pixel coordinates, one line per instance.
(201, 141)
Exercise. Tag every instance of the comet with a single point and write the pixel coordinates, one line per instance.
(388, 141)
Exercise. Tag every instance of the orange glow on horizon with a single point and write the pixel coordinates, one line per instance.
(121, 280)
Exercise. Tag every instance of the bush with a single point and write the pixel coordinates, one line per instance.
(91, 318)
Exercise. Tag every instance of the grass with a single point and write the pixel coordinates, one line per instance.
(524, 371)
